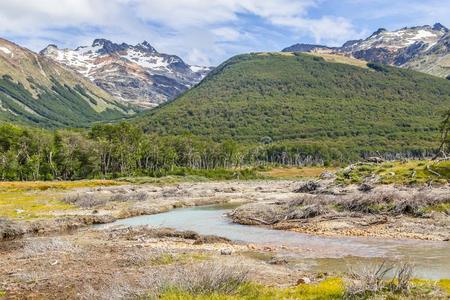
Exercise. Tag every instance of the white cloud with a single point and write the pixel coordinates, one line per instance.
(327, 30)
(197, 30)
(227, 33)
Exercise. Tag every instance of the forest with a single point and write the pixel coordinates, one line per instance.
(124, 150)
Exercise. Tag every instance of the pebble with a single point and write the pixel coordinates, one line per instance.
(303, 280)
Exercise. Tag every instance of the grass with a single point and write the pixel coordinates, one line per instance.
(58, 185)
(285, 173)
(342, 59)
(2, 293)
(332, 288)
(30, 205)
(39, 199)
(181, 258)
(444, 284)
(409, 172)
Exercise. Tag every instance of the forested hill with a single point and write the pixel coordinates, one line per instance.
(305, 98)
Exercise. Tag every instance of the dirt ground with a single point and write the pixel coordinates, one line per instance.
(119, 263)
(63, 257)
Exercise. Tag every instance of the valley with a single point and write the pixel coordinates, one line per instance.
(316, 172)
(111, 239)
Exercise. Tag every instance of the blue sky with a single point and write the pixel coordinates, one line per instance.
(206, 32)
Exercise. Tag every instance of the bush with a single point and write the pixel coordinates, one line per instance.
(366, 281)
(204, 279)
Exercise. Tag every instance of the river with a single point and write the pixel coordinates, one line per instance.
(315, 253)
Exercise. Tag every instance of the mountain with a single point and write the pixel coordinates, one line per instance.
(35, 90)
(311, 100)
(137, 74)
(422, 48)
(306, 48)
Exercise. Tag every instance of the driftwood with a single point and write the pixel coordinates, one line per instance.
(433, 172)
(261, 221)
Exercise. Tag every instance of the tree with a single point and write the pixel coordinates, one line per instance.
(445, 136)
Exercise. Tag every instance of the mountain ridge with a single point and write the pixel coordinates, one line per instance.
(35, 90)
(421, 48)
(133, 73)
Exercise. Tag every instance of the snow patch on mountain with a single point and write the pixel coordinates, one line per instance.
(138, 73)
(423, 48)
(5, 50)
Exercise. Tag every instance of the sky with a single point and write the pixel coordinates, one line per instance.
(207, 32)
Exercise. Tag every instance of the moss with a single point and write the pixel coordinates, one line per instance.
(410, 172)
(2, 293)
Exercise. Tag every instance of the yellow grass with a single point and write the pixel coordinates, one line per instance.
(296, 172)
(30, 205)
(342, 59)
(39, 199)
(59, 185)
(275, 53)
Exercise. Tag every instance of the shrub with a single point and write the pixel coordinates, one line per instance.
(204, 279)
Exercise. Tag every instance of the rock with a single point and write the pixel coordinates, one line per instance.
(268, 248)
(278, 261)
(226, 251)
(303, 280)
(375, 159)
(365, 187)
(211, 239)
(251, 247)
(308, 187)
(327, 175)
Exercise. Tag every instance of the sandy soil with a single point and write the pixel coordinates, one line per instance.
(63, 258)
(119, 263)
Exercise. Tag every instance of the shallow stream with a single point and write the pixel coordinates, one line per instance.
(315, 253)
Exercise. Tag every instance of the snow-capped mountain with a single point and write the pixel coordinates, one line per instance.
(137, 74)
(36, 90)
(423, 48)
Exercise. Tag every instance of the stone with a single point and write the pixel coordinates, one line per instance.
(365, 187)
(308, 187)
(278, 261)
(303, 280)
(226, 251)
(327, 175)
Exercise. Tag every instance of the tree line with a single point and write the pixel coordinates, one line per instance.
(125, 150)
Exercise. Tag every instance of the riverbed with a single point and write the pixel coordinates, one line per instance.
(316, 253)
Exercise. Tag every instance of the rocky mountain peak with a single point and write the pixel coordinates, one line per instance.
(379, 30)
(108, 47)
(146, 47)
(305, 48)
(424, 48)
(440, 27)
(132, 73)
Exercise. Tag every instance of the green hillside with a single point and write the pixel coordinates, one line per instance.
(37, 91)
(301, 99)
